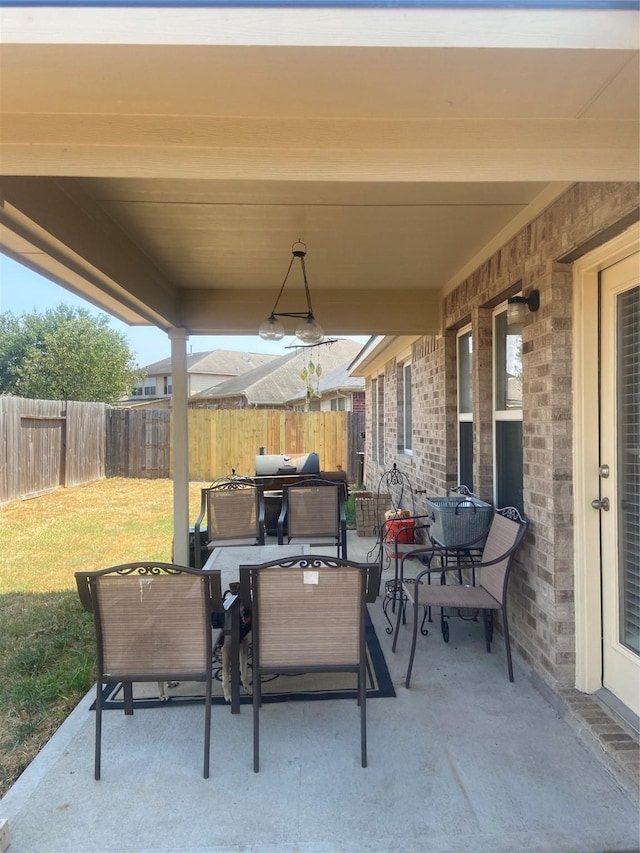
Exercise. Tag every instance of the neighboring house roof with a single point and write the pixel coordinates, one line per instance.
(217, 361)
(279, 381)
(335, 380)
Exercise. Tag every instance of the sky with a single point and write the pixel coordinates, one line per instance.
(25, 292)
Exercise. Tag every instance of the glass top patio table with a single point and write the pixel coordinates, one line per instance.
(227, 561)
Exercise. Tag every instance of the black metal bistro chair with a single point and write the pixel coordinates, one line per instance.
(308, 614)
(505, 535)
(152, 623)
(234, 509)
(313, 512)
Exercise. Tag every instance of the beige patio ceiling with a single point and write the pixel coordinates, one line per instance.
(162, 162)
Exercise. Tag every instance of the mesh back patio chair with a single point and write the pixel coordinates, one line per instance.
(505, 535)
(234, 509)
(314, 513)
(308, 614)
(152, 623)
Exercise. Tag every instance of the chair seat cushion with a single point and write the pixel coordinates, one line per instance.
(451, 595)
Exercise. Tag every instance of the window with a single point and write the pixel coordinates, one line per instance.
(167, 385)
(150, 386)
(374, 418)
(377, 419)
(339, 404)
(407, 425)
(465, 407)
(507, 362)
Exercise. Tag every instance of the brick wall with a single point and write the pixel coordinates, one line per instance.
(541, 590)
(358, 401)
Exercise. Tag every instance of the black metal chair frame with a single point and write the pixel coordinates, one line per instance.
(225, 484)
(88, 584)
(296, 567)
(429, 554)
(340, 521)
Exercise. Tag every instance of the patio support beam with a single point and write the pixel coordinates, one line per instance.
(348, 311)
(544, 150)
(180, 446)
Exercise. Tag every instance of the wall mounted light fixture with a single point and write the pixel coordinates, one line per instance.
(308, 330)
(519, 307)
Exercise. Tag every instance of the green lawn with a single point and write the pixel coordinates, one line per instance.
(47, 646)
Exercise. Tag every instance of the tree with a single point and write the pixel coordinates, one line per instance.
(64, 354)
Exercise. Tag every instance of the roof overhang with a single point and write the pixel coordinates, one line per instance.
(162, 161)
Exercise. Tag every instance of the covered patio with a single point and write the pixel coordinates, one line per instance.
(463, 760)
(162, 163)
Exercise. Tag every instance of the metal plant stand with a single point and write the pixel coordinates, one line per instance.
(393, 593)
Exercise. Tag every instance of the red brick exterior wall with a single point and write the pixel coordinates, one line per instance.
(541, 603)
(358, 401)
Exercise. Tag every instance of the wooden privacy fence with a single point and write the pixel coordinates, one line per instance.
(138, 443)
(224, 440)
(48, 443)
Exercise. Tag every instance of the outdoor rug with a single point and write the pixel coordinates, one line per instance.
(276, 688)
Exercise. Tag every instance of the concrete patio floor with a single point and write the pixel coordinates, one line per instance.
(462, 761)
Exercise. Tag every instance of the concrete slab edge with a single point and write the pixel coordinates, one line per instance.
(14, 800)
(577, 710)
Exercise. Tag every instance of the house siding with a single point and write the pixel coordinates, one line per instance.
(541, 599)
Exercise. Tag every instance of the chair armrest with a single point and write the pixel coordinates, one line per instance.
(429, 552)
(203, 509)
(261, 515)
(283, 515)
(215, 589)
(373, 582)
(84, 591)
(245, 585)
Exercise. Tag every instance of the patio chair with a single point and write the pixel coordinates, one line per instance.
(234, 508)
(314, 513)
(153, 623)
(308, 615)
(505, 535)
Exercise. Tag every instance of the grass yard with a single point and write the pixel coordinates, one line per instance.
(47, 646)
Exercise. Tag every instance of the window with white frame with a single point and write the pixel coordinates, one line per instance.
(507, 411)
(339, 404)
(465, 406)
(150, 386)
(377, 419)
(374, 419)
(406, 424)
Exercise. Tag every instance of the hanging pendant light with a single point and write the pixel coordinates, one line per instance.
(308, 330)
